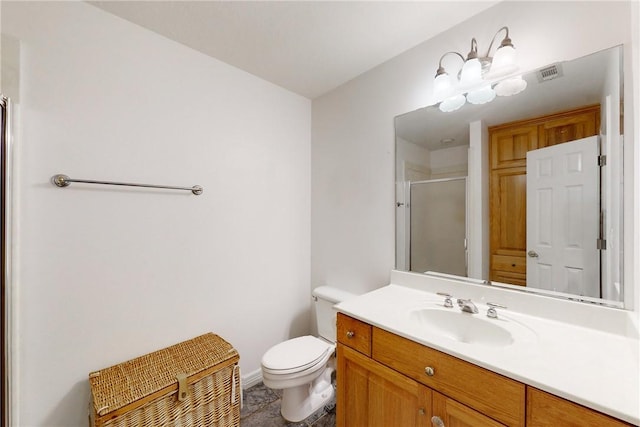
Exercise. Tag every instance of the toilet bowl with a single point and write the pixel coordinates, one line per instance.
(302, 367)
(299, 367)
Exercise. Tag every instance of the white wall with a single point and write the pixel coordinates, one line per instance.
(412, 161)
(478, 201)
(611, 147)
(106, 274)
(450, 162)
(632, 157)
(352, 231)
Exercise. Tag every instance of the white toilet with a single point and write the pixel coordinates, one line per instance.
(302, 366)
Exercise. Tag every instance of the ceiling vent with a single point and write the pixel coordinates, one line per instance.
(549, 73)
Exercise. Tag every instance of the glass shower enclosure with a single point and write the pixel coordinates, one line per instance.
(438, 226)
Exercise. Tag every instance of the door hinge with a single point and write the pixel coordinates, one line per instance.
(602, 160)
(601, 244)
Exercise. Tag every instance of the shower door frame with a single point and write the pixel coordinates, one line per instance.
(5, 259)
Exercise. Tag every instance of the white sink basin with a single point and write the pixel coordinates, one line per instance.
(465, 327)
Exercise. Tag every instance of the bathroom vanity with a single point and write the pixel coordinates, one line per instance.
(405, 359)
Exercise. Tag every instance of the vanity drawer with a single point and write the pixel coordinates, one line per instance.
(498, 397)
(519, 279)
(547, 410)
(510, 263)
(354, 333)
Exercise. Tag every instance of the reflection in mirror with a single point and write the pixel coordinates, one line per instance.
(541, 208)
(438, 225)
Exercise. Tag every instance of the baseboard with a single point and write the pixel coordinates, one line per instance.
(251, 379)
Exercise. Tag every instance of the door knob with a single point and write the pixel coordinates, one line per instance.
(437, 421)
(532, 254)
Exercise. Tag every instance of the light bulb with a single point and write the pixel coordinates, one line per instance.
(511, 86)
(504, 62)
(452, 103)
(471, 72)
(482, 95)
(441, 86)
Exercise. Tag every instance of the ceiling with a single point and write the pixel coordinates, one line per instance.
(307, 47)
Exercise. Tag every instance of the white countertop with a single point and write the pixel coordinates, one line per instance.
(595, 366)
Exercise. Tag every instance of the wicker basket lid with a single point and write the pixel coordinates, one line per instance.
(120, 385)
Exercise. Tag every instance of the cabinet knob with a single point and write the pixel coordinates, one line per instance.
(437, 421)
(350, 334)
(421, 411)
(429, 371)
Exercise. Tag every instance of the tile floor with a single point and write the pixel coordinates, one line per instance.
(262, 409)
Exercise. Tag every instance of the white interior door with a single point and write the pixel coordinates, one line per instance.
(563, 218)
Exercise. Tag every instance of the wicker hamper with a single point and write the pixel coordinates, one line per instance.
(194, 383)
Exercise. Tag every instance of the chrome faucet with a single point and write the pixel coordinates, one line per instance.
(467, 306)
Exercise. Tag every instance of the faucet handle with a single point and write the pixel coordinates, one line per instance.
(491, 312)
(447, 299)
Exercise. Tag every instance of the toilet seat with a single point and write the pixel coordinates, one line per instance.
(296, 355)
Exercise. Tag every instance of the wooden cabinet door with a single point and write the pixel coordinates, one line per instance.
(455, 414)
(498, 397)
(508, 201)
(565, 129)
(509, 146)
(546, 410)
(508, 216)
(371, 395)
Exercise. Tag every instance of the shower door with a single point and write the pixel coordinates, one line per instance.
(438, 236)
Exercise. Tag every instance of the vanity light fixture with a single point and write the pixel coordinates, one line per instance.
(476, 75)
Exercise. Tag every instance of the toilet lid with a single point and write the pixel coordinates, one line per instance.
(296, 354)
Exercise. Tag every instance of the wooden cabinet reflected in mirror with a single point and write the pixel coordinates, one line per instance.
(509, 145)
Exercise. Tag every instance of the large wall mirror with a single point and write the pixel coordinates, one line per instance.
(524, 191)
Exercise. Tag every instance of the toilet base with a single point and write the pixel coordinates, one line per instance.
(300, 402)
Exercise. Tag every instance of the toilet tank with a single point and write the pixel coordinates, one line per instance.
(325, 297)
